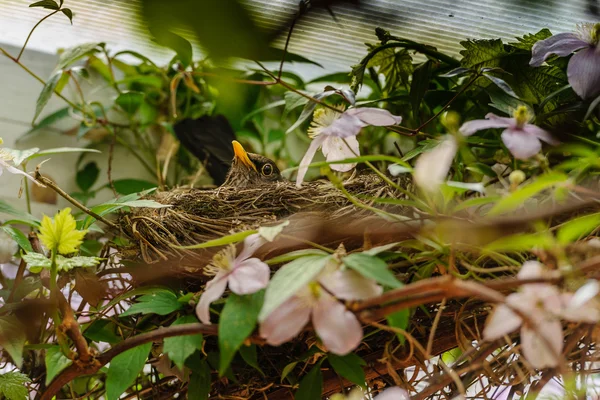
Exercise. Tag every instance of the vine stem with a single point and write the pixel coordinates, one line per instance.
(31, 33)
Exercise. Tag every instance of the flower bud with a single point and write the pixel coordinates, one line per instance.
(451, 121)
(516, 177)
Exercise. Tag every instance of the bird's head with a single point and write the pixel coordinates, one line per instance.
(248, 169)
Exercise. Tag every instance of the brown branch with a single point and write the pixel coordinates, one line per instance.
(79, 368)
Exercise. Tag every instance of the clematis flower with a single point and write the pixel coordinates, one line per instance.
(60, 233)
(520, 137)
(8, 247)
(337, 327)
(544, 306)
(244, 274)
(5, 164)
(431, 168)
(583, 71)
(335, 133)
(392, 393)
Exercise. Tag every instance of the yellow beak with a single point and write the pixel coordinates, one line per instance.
(241, 155)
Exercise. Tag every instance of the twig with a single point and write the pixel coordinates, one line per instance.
(31, 33)
(42, 179)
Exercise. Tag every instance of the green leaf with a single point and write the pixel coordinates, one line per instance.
(518, 197)
(46, 93)
(450, 356)
(129, 186)
(179, 348)
(349, 367)
(161, 303)
(123, 370)
(275, 54)
(68, 13)
(311, 386)
(75, 53)
(13, 385)
(12, 338)
(526, 42)
(249, 354)
(61, 150)
(87, 176)
(521, 242)
(130, 101)
(577, 228)
(102, 330)
(482, 53)
(18, 237)
(419, 86)
(26, 218)
(296, 254)
(55, 361)
(180, 45)
(271, 232)
(289, 279)
(49, 4)
(136, 292)
(21, 155)
(373, 268)
(287, 369)
(238, 320)
(48, 121)
(395, 65)
(36, 262)
(336, 77)
(222, 241)
(399, 319)
(199, 386)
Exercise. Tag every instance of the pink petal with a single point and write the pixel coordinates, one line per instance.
(393, 393)
(585, 293)
(535, 349)
(540, 134)
(307, 159)
(337, 327)
(345, 126)
(285, 322)
(502, 322)
(375, 116)
(431, 168)
(251, 244)
(214, 290)
(521, 144)
(350, 285)
(249, 277)
(491, 121)
(561, 44)
(531, 270)
(583, 72)
(336, 149)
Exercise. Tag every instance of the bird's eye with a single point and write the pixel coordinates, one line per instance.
(267, 169)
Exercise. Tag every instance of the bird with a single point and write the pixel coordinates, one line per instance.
(250, 170)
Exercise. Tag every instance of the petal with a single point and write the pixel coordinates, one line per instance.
(431, 168)
(345, 126)
(16, 171)
(583, 72)
(251, 244)
(336, 149)
(393, 393)
(521, 144)
(306, 160)
(540, 134)
(214, 289)
(536, 350)
(561, 44)
(502, 321)
(285, 322)
(531, 270)
(491, 121)
(249, 277)
(350, 285)
(585, 293)
(337, 327)
(375, 116)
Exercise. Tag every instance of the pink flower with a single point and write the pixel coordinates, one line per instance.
(5, 164)
(393, 393)
(339, 329)
(544, 306)
(245, 275)
(520, 137)
(335, 133)
(431, 168)
(583, 70)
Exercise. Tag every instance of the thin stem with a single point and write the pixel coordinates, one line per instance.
(53, 186)
(31, 32)
(27, 197)
(287, 42)
(110, 69)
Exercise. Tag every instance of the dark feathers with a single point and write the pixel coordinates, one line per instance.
(209, 139)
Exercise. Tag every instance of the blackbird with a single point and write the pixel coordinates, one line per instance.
(249, 169)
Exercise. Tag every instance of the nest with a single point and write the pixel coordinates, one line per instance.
(198, 215)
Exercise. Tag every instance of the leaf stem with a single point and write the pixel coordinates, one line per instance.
(31, 33)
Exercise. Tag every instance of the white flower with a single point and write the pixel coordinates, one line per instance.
(245, 275)
(335, 133)
(431, 168)
(8, 247)
(545, 306)
(6, 163)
